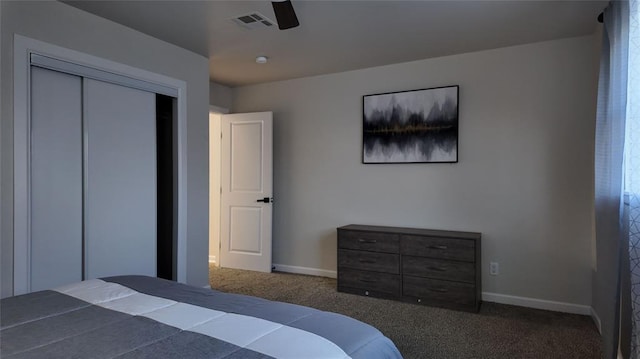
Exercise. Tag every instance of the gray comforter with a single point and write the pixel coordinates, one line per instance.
(143, 317)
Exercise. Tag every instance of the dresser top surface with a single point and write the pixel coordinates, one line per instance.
(412, 231)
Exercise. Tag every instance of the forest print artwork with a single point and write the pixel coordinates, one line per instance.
(411, 126)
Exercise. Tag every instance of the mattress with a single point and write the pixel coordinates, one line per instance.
(145, 317)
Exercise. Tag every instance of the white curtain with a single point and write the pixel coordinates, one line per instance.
(609, 156)
(632, 170)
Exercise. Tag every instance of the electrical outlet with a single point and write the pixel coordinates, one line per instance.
(494, 268)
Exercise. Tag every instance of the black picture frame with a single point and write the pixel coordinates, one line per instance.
(416, 126)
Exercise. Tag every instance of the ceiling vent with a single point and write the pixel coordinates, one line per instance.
(254, 21)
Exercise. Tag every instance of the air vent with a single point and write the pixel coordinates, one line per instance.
(253, 21)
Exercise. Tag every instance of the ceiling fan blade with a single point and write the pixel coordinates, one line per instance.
(285, 15)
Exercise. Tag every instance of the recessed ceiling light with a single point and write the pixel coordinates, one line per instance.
(261, 59)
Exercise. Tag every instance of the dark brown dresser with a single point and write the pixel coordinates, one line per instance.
(430, 267)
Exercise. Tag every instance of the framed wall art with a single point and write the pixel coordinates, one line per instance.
(418, 126)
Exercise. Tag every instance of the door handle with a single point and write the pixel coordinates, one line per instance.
(265, 200)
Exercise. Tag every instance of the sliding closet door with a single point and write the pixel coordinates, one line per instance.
(56, 178)
(120, 180)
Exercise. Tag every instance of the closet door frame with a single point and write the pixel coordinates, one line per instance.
(23, 48)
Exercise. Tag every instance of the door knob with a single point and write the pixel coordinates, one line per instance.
(266, 200)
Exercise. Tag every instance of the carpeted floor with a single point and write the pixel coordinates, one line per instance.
(497, 331)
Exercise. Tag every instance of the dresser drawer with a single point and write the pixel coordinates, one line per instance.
(371, 261)
(379, 282)
(369, 241)
(439, 269)
(436, 247)
(433, 290)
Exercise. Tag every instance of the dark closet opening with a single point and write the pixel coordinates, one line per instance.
(166, 147)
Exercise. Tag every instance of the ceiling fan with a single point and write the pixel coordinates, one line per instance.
(285, 15)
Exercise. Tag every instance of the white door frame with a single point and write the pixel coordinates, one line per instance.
(23, 48)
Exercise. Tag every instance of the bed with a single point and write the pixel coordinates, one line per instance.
(145, 317)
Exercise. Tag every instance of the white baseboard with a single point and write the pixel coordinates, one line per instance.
(596, 320)
(306, 270)
(537, 303)
(212, 259)
(486, 296)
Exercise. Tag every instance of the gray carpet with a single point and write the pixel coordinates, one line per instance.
(497, 331)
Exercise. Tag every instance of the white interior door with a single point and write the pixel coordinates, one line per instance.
(120, 175)
(247, 189)
(56, 179)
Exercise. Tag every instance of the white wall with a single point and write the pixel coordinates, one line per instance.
(65, 26)
(214, 183)
(221, 100)
(524, 177)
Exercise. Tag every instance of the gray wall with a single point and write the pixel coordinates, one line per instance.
(524, 177)
(3, 253)
(65, 26)
(220, 95)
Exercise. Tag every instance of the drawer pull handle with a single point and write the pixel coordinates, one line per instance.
(367, 240)
(368, 281)
(438, 290)
(438, 247)
(367, 261)
(438, 269)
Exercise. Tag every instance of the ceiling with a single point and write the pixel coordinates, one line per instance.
(336, 36)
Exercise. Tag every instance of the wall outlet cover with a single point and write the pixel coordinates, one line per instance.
(494, 268)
